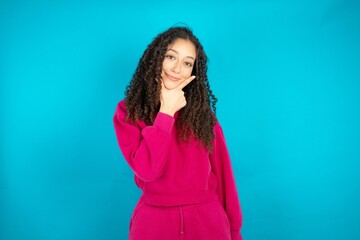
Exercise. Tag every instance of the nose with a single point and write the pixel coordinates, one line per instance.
(176, 67)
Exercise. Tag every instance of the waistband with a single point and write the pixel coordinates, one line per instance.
(178, 199)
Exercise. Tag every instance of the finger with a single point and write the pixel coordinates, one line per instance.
(185, 82)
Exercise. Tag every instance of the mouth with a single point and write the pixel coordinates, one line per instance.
(172, 78)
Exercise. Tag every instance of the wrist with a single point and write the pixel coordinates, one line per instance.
(170, 113)
(167, 111)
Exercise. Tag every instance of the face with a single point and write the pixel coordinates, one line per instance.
(178, 63)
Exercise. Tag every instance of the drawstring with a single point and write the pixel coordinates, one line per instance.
(181, 221)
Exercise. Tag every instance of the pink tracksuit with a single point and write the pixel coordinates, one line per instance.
(188, 193)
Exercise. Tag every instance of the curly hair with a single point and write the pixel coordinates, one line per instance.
(142, 96)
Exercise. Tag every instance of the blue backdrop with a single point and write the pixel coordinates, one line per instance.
(287, 75)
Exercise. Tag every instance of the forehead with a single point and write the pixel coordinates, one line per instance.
(184, 47)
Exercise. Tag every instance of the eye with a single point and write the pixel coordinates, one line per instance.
(169, 57)
(188, 64)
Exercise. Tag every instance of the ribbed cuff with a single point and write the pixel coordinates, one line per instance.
(164, 121)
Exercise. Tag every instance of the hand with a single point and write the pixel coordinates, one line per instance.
(173, 100)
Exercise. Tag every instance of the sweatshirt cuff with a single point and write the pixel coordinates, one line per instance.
(164, 122)
(235, 235)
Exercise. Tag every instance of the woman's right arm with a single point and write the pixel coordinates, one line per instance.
(145, 150)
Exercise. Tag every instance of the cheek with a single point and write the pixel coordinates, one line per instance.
(188, 72)
(166, 65)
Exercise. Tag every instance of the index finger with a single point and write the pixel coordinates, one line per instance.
(185, 82)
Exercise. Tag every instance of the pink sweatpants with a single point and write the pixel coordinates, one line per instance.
(189, 222)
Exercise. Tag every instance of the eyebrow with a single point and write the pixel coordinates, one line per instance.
(178, 53)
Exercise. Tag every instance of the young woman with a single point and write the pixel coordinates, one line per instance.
(168, 133)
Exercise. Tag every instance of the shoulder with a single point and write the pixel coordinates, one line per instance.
(121, 106)
(121, 114)
(218, 130)
(120, 111)
(217, 123)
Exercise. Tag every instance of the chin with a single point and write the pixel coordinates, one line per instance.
(170, 86)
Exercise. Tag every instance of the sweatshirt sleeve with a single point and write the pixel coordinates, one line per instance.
(145, 149)
(226, 187)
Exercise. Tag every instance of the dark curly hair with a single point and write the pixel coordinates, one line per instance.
(142, 96)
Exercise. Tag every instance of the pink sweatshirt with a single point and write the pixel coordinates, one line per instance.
(173, 173)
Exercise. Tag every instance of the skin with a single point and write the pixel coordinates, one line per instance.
(176, 74)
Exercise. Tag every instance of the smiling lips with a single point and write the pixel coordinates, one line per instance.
(172, 78)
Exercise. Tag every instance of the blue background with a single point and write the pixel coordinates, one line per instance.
(287, 75)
